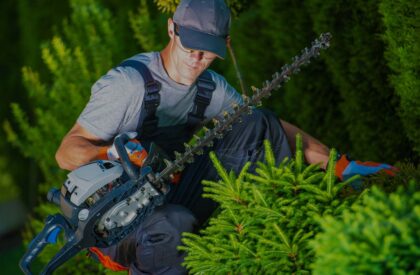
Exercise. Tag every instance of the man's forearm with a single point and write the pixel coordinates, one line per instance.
(76, 151)
(314, 150)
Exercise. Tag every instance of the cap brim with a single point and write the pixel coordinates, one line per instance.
(196, 40)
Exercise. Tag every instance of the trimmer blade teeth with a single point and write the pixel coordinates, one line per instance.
(178, 155)
(167, 162)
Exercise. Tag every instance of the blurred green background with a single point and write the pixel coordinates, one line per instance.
(24, 26)
(362, 96)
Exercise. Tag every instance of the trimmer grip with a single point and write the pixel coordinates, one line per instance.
(129, 168)
(36, 246)
(70, 249)
(53, 223)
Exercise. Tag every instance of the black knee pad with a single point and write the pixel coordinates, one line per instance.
(158, 238)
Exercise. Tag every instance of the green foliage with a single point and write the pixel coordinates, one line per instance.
(266, 218)
(89, 46)
(344, 98)
(406, 172)
(236, 6)
(251, 53)
(150, 32)
(310, 99)
(358, 69)
(379, 235)
(87, 50)
(167, 6)
(23, 25)
(37, 20)
(402, 35)
(7, 186)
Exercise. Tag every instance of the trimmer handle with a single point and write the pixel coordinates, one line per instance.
(129, 168)
(49, 234)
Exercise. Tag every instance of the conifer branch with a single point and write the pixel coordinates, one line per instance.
(299, 159)
(219, 167)
(282, 235)
(259, 197)
(330, 173)
(242, 175)
(269, 155)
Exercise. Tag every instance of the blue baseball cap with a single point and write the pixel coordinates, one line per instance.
(203, 25)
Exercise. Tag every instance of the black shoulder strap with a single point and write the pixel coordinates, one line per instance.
(151, 97)
(205, 88)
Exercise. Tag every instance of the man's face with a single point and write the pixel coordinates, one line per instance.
(189, 63)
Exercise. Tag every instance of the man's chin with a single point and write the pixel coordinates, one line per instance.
(191, 75)
(193, 69)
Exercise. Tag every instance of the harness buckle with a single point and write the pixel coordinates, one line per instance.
(151, 100)
(203, 97)
(152, 96)
(153, 87)
(206, 84)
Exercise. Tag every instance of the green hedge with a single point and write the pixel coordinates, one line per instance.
(345, 98)
(378, 235)
(89, 45)
(266, 218)
(360, 72)
(402, 35)
(295, 219)
(310, 99)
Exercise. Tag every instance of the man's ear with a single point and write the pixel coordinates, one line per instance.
(171, 28)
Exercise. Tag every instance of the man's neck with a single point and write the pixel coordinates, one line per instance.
(170, 68)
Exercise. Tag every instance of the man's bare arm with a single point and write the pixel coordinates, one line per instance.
(77, 148)
(314, 150)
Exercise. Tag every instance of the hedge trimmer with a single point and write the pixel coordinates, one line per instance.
(104, 201)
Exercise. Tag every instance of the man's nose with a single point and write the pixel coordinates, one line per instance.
(197, 55)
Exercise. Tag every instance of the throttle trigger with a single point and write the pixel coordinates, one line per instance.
(52, 236)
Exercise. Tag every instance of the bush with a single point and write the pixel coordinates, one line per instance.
(402, 36)
(359, 71)
(236, 6)
(9, 190)
(265, 219)
(379, 235)
(88, 47)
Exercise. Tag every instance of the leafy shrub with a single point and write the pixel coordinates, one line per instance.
(265, 219)
(406, 172)
(236, 6)
(89, 46)
(358, 69)
(8, 188)
(380, 234)
(402, 36)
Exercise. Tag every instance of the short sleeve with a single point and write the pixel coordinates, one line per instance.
(110, 106)
(230, 95)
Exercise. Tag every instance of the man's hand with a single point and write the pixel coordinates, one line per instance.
(135, 151)
(346, 168)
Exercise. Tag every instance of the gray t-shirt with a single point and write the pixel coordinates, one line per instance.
(116, 101)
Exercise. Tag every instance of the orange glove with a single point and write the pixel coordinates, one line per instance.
(346, 168)
(135, 151)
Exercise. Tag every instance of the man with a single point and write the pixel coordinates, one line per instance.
(164, 96)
